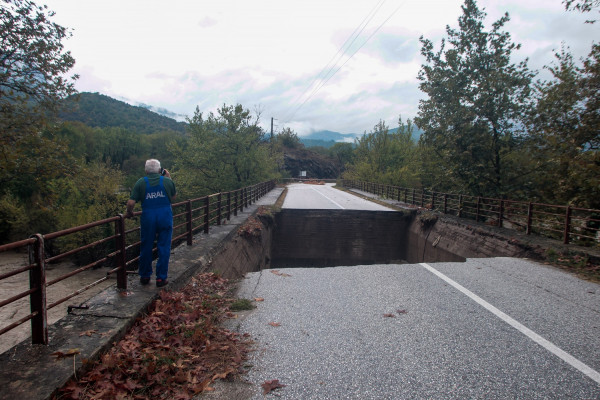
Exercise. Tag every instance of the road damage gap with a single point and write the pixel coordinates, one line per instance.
(327, 238)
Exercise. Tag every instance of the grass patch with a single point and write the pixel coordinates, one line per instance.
(241, 305)
(576, 262)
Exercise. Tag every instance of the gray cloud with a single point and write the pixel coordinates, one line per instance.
(394, 48)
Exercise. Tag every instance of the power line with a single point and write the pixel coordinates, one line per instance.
(345, 62)
(354, 34)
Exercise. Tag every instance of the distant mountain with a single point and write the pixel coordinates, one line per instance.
(331, 135)
(161, 111)
(329, 138)
(98, 110)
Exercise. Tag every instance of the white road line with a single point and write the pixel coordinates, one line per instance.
(574, 362)
(328, 199)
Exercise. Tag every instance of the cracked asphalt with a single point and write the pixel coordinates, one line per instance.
(432, 331)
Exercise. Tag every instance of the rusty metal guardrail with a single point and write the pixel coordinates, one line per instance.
(111, 245)
(570, 224)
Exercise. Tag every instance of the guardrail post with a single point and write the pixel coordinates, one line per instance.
(236, 205)
(37, 299)
(405, 195)
(219, 209)
(240, 204)
(228, 206)
(188, 221)
(567, 225)
(413, 196)
(529, 218)
(121, 257)
(445, 203)
(500, 213)
(478, 209)
(206, 213)
(460, 201)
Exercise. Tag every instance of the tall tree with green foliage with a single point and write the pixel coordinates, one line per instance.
(584, 6)
(224, 151)
(565, 132)
(475, 100)
(32, 84)
(287, 138)
(342, 152)
(384, 156)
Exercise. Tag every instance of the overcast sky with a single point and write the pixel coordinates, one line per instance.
(268, 54)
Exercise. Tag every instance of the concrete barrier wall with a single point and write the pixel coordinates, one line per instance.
(322, 238)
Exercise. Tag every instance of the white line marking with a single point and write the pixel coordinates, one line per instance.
(328, 199)
(591, 373)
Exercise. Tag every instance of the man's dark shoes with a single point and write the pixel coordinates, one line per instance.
(144, 281)
(161, 282)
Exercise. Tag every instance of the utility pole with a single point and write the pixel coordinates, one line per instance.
(271, 146)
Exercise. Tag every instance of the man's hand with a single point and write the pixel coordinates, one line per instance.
(129, 212)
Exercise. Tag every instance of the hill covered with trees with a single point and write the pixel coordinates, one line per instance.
(98, 110)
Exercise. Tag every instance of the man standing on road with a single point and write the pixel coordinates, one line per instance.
(156, 192)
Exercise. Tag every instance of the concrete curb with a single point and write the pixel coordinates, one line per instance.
(32, 372)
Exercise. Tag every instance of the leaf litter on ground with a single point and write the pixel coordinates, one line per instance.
(175, 351)
(279, 273)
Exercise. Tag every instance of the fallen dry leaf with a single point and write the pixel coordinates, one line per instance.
(389, 315)
(223, 375)
(279, 273)
(88, 333)
(259, 299)
(69, 353)
(182, 327)
(274, 324)
(401, 311)
(268, 386)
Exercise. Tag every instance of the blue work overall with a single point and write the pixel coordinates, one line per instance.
(157, 220)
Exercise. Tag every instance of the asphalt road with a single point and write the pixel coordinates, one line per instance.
(321, 197)
(498, 328)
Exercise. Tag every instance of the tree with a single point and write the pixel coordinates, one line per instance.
(583, 6)
(384, 156)
(288, 138)
(34, 63)
(476, 96)
(565, 131)
(32, 84)
(343, 153)
(224, 151)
